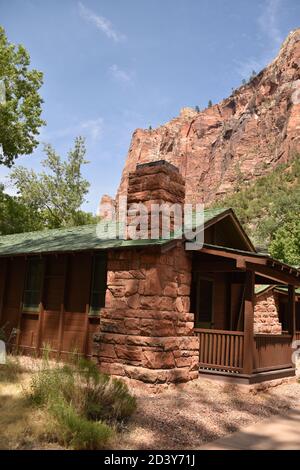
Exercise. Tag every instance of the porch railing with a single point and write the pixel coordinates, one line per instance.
(221, 350)
(272, 352)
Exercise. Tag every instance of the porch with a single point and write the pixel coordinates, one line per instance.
(223, 301)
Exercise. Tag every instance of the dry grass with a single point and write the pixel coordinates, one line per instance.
(21, 427)
(182, 417)
(45, 404)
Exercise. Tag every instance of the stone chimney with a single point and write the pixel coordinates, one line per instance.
(155, 183)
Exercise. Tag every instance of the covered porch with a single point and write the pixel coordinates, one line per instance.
(223, 301)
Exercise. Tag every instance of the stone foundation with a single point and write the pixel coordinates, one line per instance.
(146, 329)
(266, 316)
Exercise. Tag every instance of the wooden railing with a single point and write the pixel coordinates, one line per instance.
(221, 350)
(272, 352)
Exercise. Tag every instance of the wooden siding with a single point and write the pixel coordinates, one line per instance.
(272, 352)
(13, 293)
(62, 323)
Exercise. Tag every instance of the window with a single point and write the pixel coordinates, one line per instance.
(204, 306)
(98, 290)
(33, 284)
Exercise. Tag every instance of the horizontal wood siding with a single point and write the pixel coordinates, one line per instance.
(272, 352)
(221, 350)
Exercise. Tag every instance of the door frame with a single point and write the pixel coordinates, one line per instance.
(198, 324)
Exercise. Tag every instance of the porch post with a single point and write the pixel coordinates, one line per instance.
(292, 310)
(249, 322)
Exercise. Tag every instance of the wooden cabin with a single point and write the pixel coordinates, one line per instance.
(148, 309)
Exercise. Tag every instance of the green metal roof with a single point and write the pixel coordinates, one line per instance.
(99, 236)
(259, 288)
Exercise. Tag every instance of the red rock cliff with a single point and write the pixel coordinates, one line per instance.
(241, 138)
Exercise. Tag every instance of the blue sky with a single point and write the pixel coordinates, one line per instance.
(111, 66)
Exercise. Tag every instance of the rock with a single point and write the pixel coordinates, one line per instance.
(158, 360)
(247, 134)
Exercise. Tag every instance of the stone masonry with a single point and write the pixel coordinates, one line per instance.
(146, 328)
(266, 317)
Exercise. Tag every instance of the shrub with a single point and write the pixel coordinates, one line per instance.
(84, 403)
(77, 431)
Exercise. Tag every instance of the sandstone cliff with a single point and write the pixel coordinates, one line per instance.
(241, 138)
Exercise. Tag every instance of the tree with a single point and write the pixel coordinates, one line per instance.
(209, 104)
(269, 207)
(197, 109)
(286, 244)
(57, 194)
(20, 106)
(16, 217)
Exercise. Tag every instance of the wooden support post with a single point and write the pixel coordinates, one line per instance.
(292, 310)
(249, 323)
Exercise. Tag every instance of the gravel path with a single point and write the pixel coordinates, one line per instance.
(187, 416)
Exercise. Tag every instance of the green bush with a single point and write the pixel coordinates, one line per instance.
(85, 404)
(77, 431)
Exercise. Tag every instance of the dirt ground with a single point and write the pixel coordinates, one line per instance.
(180, 417)
(187, 416)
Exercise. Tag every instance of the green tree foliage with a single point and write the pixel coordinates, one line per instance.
(286, 243)
(20, 112)
(269, 209)
(209, 104)
(197, 109)
(56, 194)
(16, 217)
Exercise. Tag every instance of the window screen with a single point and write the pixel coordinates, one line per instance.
(33, 284)
(98, 290)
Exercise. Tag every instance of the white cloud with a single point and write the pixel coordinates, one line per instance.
(268, 21)
(91, 129)
(101, 23)
(268, 26)
(120, 75)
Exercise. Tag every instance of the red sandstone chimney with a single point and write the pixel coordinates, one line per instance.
(153, 184)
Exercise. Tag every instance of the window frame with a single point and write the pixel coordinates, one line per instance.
(27, 307)
(95, 311)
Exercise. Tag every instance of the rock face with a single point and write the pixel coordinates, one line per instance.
(239, 139)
